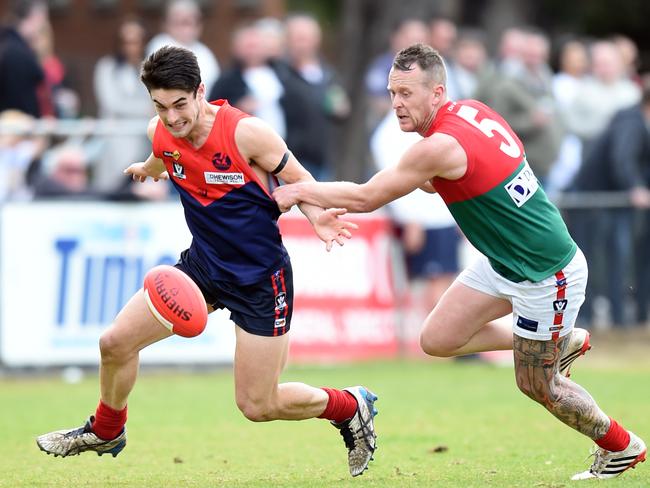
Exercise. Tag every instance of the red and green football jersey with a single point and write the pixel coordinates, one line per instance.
(498, 203)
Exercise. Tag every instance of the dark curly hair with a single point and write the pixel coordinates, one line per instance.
(171, 68)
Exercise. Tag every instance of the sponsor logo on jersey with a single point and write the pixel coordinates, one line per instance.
(560, 305)
(527, 324)
(221, 161)
(179, 171)
(523, 186)
(175, 154)
(213, 178)
(280, 323)
(280, 301)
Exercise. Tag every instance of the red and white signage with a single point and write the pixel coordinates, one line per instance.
(345, 300)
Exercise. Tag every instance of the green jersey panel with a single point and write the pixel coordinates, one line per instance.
(516, 226)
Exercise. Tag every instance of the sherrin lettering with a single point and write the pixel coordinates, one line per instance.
(175, 301)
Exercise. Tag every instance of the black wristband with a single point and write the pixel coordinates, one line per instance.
(282, 164)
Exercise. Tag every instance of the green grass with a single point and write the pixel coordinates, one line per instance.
(185, 431)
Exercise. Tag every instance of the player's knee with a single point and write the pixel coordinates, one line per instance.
(255, 411)
(525, 387)
(436, 346)
(111, 347)
(544, 392)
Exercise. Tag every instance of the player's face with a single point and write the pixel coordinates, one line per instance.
(178, 110)
(414, 98)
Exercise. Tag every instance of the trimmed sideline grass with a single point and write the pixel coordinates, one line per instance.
(442, 424)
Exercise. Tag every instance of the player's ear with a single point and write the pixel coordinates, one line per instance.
(438, 92)
(200, 92)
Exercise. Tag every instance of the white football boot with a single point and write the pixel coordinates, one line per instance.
(75, 441)
(609, 464)
(359, 431)
(578, 346)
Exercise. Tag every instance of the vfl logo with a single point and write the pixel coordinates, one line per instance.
(280, 301)
(280, 323)
(523, 186)
(179, 171)
(212, 178)
(560, 305)
(221, 161)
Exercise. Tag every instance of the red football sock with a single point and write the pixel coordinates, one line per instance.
(341, 405)
(616, 439)
(108, 422)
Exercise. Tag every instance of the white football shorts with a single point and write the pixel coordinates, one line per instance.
(542, 310)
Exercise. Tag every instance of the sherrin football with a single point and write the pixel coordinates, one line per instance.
(175, 300)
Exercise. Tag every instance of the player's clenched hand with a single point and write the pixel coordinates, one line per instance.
(330, 228)
(140, 172)
(286, 197)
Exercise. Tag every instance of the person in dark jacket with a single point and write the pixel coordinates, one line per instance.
(618, 161)
(315, 99)
(20, 70)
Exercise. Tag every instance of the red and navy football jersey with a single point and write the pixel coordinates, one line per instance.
(231, 215)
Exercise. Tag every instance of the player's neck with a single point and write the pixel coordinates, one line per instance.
(203, 125)
(426, 127)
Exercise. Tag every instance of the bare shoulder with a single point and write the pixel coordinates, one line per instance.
(251, 127)
(435, 149)
(255, 138)
(151, 128)
(443, 153)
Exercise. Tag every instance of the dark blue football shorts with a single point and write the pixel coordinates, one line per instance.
(263, 308)
(438, 256)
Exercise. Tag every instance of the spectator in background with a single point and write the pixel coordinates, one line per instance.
(640, 142)
(252, 83)
(20, 71)
(602, 94)
(56, 99)
(617, 161)
(64, 175)
(274, 36)
(508, 62)
(17, 154)
(524, 97)
(466, 65)
(121, 97)
(429, 239)
(310, 129)
(630, 55)
(573, 67)
(183, 27)
(443, 35)
(404, 33)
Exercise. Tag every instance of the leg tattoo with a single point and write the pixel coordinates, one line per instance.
(536, 371)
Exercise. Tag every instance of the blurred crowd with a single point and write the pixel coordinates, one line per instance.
(583, 116)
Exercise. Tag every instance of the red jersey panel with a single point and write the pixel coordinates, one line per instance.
(489, 159)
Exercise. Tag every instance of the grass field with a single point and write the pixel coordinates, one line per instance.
(441, 424)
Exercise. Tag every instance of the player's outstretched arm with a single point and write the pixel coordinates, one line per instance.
(151, 168)
(259, 144)
(420, 163)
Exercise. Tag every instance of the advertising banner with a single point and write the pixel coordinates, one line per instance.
(66, 269)
(345, 300)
